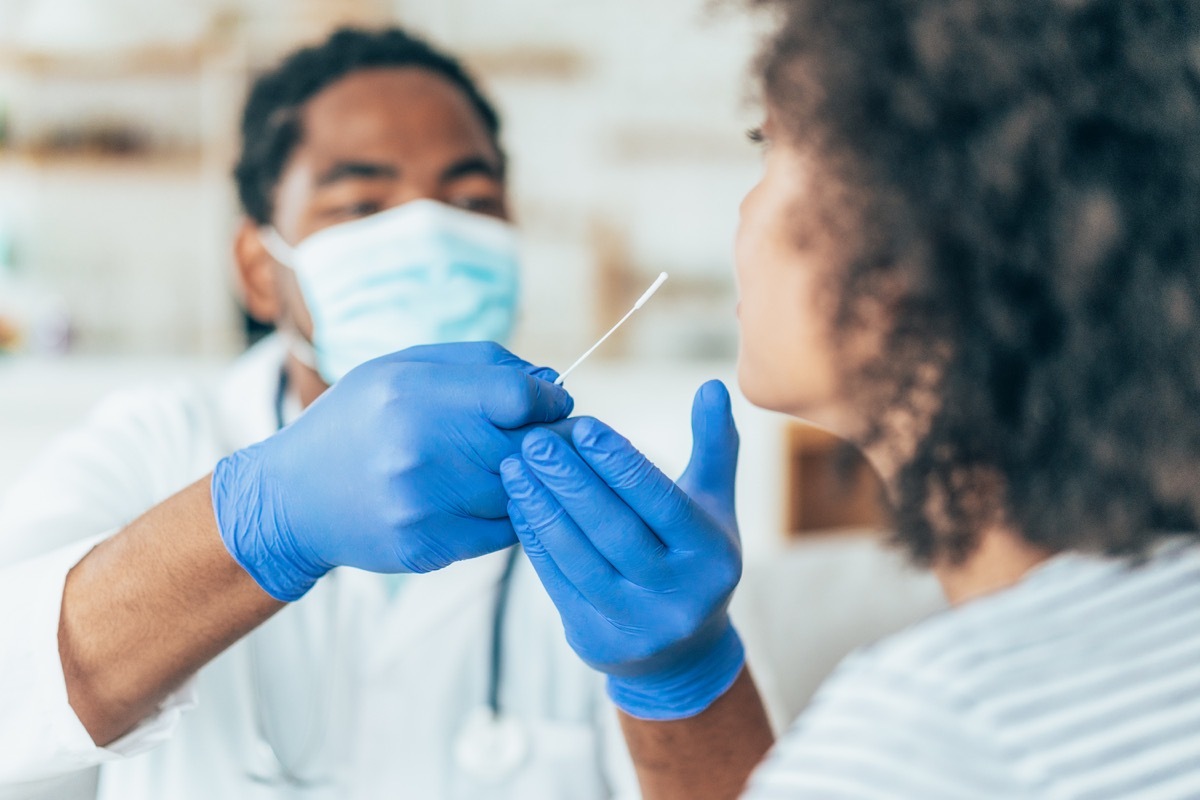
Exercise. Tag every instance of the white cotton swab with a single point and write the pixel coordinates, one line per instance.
(659, 281)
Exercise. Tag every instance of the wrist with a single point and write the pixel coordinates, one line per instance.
(686, 687)
(249, 517)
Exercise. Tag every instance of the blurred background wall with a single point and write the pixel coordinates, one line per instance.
(624, 121)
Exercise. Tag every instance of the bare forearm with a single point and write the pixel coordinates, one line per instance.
(706, 757)
(149, 607)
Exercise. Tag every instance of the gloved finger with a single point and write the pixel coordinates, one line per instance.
(563, 593)
(614, 529)
(654, 497)
(472, 354)
(515, 438)
(471, 538)
(562, 427)
(711, 474)
(513, 399)
(484, 536)
(486, 499)
(577, 559)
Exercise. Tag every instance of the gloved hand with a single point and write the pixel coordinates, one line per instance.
(393, 469)
(641, 568)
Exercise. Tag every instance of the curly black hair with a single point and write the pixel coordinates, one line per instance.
(1029, 174)
(271, 119)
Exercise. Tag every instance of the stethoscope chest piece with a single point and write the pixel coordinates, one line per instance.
(490, 746)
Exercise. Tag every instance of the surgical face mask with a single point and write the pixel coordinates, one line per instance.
(420, 273)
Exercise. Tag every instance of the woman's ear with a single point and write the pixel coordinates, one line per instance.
(257, 272)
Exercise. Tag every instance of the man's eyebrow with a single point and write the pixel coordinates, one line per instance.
(347, 170)
(472, 165)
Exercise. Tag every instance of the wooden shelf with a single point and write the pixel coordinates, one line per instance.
(182, 60)
(533, 62)
(828, 486)
(183, 161)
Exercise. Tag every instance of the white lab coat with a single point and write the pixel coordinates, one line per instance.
(361, 691)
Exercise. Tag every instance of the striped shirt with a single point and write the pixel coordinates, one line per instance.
(1082, 681)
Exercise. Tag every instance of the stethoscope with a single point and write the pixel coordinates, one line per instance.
(490, 746)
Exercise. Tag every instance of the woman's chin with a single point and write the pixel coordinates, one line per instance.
(767, 390)
(782, 394)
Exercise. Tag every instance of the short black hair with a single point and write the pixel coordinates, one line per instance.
(271, 119)
(1028, 173)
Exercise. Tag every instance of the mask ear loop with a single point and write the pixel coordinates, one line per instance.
(298, 345)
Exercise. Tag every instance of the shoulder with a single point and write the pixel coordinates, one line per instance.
(945, 708)
(888, 723)
(910, 677)
(150, 414)
(155, 424)
(135, 448)
(169, 431)
(867, 590)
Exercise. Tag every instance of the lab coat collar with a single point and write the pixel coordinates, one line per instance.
(247, 393)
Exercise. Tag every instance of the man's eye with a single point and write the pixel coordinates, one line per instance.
(364, 209)
(352, 210)
(480, 205)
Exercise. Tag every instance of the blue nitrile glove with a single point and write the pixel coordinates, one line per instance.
(641, 569)
(393, 469)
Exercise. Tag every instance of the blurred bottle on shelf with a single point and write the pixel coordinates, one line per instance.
(33, 319)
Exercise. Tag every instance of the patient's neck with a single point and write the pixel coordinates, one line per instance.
(1001, 556)
(999, 561)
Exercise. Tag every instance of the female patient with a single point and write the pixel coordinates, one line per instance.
(975, 253)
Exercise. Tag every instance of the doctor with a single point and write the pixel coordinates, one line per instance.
(190, 634)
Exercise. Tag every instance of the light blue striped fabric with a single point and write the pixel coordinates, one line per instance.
(1081, 682)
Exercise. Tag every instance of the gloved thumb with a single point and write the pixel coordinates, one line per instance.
(515, 399)
(711, 474)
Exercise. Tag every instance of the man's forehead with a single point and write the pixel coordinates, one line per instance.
(405, 102)
(392, 124)
(367, 84)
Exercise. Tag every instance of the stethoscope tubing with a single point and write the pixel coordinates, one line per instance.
(496, 666)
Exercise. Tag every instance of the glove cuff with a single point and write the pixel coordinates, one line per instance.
(248, 518)
(685, 690)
